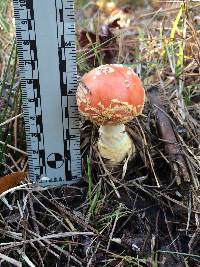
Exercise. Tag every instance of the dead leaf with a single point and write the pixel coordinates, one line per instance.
(106, 6)
(11, 180)
(119, 19)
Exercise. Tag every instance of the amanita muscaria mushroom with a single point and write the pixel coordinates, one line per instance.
(110, 96)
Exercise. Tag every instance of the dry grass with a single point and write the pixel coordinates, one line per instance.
(144, 213)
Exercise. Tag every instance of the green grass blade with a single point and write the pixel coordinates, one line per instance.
(175, 23)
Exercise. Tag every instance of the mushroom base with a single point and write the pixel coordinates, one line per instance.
(114, 143)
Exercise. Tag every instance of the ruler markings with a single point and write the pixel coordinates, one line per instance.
(41, 83)
(51, 106)
(37, 131)
(61, 58)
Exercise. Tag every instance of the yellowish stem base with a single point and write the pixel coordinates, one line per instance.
(114, 143)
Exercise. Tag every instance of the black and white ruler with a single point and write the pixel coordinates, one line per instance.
(45, 31)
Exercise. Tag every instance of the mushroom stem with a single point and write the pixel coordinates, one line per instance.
(114, 143)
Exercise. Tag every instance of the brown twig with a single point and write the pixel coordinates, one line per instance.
(167, 134)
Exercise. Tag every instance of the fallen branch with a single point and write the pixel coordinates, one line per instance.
(172, 147)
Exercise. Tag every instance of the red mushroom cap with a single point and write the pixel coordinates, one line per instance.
(110, 94)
